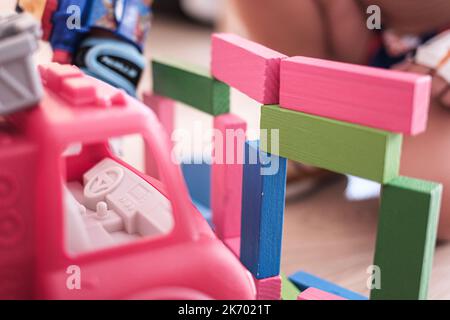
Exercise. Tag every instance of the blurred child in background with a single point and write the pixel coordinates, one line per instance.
(337, 30)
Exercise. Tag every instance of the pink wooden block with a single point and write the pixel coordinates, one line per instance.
(268, 289)
(247, 66)
(226, 175)
(316, 294)
(383, 99)
(164, 109)
(234, 244)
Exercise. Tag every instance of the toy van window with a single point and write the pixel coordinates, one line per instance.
(105, 203)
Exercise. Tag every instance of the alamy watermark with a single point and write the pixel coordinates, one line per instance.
(74, 20)
(212, 146)
(374, 280)
(73, 281)
(374, 20)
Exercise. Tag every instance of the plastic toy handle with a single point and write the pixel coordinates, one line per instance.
(62, 57)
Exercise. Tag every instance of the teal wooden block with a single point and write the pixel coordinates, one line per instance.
(406, 238)
(192, 86)
(330, 144)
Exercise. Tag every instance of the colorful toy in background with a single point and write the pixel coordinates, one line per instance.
(33, 7)
(105, 38)
(20, 85)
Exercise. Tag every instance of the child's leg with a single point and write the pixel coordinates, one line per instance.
(427, 156)
(346, 30)
(292, 27)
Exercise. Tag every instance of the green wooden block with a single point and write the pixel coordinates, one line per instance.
(406, 238)
(192, 86)
(330, 144)
(288, 290)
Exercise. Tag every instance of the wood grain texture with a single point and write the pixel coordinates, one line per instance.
(334, 145)
(316, 294)
(268, 288)
(406, 238)
(383, 99)
(262, 211)
(304, 280)
(288, 290)
(247, 66)
(226, 175)
(190, 85)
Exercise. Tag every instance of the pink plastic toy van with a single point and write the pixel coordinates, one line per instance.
(77, 222)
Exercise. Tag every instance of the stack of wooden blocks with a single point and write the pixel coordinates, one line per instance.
(345, 118)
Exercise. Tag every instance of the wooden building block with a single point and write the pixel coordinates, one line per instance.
(304, 280)
(334, 145)
(383, 99)
(406, 238)
(247, 66)
(192, 86)
(226, 175)
(316, 294)
(263, 195)
(198, 181)
(164, 109)
(268, 288)
(288, 290)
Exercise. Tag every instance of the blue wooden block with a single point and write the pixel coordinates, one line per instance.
(205, 211)
(264, 186)
(304, 280)
(198, 180)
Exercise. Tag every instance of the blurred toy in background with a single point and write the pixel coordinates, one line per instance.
(33, 7)
(105, 38)
(20, 86)
(205, 12)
